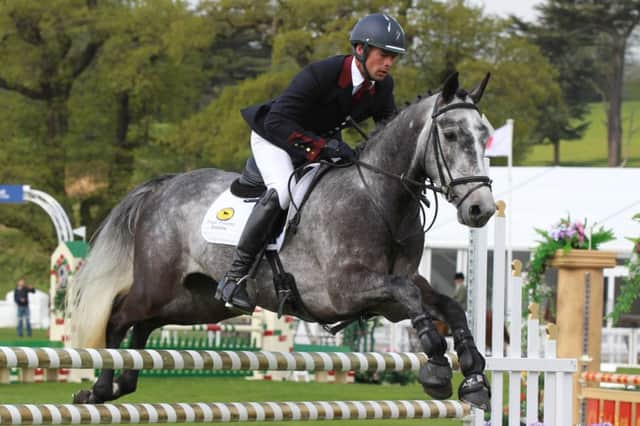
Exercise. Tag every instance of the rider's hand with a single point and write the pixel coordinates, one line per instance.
(337, 148)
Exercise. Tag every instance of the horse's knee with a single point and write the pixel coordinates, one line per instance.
(432, 342)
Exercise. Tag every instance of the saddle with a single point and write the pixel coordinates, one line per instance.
(251, 185)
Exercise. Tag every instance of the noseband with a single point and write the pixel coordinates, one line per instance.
(447, 181)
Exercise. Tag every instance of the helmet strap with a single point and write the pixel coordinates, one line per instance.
(363, 59)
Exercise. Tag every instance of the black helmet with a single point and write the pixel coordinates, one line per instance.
(379, 30)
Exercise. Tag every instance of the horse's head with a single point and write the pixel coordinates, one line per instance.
(454, 152)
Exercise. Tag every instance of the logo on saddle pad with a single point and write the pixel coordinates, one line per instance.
(225, 213)
(224, 221)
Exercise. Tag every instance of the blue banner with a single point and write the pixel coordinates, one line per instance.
(11, 194)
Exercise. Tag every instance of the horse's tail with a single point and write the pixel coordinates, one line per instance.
(108, 270)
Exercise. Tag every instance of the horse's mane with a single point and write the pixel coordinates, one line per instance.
(382, 125)
(408, 104)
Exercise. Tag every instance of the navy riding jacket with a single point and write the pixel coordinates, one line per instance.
(314, 108)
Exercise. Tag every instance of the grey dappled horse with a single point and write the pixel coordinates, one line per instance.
(356, 250)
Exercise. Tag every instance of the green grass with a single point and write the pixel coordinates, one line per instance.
(232, 389)
(627, 370)
(591, 150)
(9, 334)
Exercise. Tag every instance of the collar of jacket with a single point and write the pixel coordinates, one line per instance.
(345, 80)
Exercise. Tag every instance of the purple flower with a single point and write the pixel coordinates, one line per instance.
(638, 247)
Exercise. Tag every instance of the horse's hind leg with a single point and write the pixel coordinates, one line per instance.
(104, 389)
(475, 387)
(127, 381)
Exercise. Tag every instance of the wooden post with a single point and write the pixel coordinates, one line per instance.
(571, 269)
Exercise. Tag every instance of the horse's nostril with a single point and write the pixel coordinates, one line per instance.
(474, 210)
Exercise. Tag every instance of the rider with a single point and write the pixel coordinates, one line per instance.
(303, 124)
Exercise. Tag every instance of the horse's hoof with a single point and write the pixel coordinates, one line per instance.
(436, 380)
(475, 390)
(82, 397)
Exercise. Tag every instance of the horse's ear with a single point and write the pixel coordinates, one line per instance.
(450, 87)
(476, 93)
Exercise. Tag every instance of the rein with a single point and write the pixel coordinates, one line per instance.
(417, 193)
(444, 188)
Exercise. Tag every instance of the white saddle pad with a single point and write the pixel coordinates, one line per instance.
(225, 219)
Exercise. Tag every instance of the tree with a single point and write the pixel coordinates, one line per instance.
(605, 26)
(149, 72)
(576, 73)
(45, 47)
(455, 36)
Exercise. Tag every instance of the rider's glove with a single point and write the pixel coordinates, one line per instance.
(336, 148)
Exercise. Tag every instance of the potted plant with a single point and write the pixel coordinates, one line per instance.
(560, 240)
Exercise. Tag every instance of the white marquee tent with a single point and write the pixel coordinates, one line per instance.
(541, 196)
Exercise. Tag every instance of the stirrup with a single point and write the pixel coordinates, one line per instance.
(222, 284)
(245, 306)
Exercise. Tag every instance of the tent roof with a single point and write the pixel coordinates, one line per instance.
(541, 196)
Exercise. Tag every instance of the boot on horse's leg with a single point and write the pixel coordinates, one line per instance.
(259, 228)
(435, 376)
(474, 389)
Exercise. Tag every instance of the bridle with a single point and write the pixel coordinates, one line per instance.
(447, 188)
(444, 172)
(447, 181)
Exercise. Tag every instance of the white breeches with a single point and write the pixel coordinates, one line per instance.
(275, 167)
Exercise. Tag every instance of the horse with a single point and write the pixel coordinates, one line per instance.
(355, 253)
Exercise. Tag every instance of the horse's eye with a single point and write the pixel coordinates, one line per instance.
(450, 135)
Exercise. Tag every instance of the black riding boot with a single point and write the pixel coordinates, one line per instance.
(259, 229)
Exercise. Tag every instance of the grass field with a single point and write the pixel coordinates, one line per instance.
(591, 150)
(9, 334)
(232, 389)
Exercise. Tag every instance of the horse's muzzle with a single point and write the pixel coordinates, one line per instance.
(477, 209)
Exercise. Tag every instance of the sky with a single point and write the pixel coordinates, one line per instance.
(521, 8)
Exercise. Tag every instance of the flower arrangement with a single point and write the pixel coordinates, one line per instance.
(565, 235)
(630, 289)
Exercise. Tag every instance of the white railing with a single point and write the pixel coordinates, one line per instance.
(541, 358)
(620, 346)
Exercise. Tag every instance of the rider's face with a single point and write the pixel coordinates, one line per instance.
(379, 62)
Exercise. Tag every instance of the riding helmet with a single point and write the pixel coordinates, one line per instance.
(379, 30)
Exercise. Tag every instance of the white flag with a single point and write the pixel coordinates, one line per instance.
(81, 232)
(499, 143)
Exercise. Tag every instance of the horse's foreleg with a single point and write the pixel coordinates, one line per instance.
(435, 376)
(475, 387)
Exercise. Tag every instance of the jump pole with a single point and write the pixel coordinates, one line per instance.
(228, 412)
